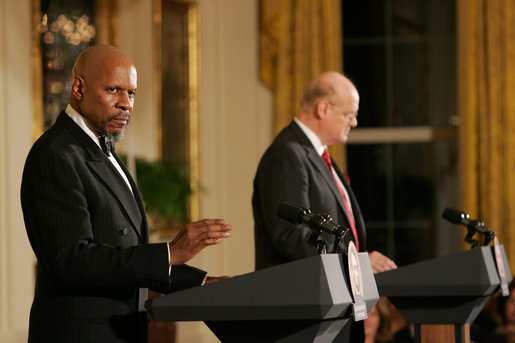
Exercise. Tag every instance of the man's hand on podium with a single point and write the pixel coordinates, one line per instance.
(211, 279)
(380, 263)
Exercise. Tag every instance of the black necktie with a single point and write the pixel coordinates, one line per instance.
(106, 144)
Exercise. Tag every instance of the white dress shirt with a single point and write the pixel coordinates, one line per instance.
(85, 126)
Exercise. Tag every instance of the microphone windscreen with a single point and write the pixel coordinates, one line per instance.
(291, 212)
(453, 215)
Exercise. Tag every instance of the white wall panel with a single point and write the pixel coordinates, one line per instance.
(136, 40)
(235, 111)
(236, 126)
(17, 261)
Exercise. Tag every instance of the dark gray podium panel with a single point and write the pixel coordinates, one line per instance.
(284, 331)
(311, 288)
(302, 301)
(446, 290)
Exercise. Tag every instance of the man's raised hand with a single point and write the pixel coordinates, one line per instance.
(195, 237)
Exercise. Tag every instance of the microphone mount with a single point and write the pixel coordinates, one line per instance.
(318, 223)
(473, 226)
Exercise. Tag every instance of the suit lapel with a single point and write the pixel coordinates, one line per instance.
(137, 197)
(114, 182)
(109, 175)
(319, 164)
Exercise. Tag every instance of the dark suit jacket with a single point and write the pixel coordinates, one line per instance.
(90, 237)
(291, 170)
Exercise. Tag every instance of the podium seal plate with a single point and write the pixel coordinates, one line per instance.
(356, 282)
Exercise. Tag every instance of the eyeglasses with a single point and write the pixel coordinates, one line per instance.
(349, 115)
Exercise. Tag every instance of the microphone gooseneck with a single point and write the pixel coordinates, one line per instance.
(297, 214)
(459, 217)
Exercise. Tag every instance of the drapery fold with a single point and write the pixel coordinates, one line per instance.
(299, 39)
(486, 106)
(107, 23)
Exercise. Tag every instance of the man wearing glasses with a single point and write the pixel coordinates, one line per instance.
(297, 168)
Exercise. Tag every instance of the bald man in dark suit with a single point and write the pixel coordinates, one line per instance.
(293, 169)
(297, 168)
(86, 221)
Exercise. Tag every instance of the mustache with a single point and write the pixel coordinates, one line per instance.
(126, 115)
(116, 137)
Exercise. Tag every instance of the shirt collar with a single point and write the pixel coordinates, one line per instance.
(81, 121)
(313, 138)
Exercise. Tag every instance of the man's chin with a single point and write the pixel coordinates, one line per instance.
(116, 136)
(343, 140)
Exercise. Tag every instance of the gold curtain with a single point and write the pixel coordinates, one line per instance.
(106, 18)
(299, 39)
(486, 105)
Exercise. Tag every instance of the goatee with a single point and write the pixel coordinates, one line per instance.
(115, 137)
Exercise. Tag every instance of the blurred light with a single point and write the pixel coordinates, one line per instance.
(55, 87)
(62, 20)
(49, 38)
(455, 120)
(74, 33)
(55, 64)
(54, 26)
(74, 39)
(68, 27)
(42, 28)
(43, 25)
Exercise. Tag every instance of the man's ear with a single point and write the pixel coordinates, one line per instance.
(321, 108)
(78, 87)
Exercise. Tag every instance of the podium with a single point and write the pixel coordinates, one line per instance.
(441, 295)
(306, 300)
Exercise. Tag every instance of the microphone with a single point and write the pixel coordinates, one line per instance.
(297, 214)
(459, 217)
(456, 216)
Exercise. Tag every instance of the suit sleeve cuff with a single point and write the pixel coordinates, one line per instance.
(184, 276)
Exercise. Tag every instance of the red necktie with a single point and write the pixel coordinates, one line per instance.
(327, 159)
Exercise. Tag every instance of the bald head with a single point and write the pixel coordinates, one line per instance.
(95, 57)
(326, 86)
(329, 105)
(103, 87)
